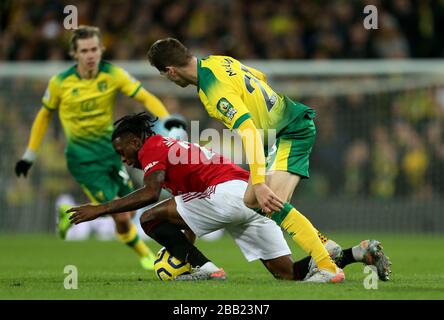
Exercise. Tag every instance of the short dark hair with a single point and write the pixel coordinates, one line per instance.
(83, 32)
(139, 124)
(168, 52)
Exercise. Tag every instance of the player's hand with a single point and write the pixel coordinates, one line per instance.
(84, 213)
(266, 198)
(22, 167)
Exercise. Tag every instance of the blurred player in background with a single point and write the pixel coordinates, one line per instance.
(85, 96)
(240, 97)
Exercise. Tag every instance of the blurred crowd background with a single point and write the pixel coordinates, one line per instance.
(385, 146)
(284, 29)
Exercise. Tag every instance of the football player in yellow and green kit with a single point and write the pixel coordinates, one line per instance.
(84, 96)
(240, 97)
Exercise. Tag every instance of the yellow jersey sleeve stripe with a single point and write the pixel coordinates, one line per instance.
(135, 91)
(241, 119)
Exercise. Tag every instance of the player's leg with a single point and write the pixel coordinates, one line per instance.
(292, 221)
(164, 224)
(260, 238)
(295, 223)
(368, 252)
(281, 267)
(288, 162)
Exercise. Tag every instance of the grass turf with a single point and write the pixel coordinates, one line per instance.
(32, 267)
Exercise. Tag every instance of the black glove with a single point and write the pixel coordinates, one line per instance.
(22, 167)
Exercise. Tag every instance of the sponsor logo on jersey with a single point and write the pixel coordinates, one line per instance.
(149, 166)
(226, 108)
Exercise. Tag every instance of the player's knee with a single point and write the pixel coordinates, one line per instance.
(147, 216)
(149, 227)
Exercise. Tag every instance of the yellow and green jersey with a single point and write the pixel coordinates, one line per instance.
(86, 108)
(233, 92)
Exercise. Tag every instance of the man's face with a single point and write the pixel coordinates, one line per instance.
(174, 75)
(88, 53)
(128, 148)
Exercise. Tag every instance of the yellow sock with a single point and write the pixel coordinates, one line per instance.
(132, 239)
(305, 235)
(322, 237)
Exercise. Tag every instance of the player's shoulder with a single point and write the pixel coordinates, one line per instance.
(107, 67)
(154, 149)
(115, 71)
(216, 70)
(155, 142)
(65, 74)
(214, 62)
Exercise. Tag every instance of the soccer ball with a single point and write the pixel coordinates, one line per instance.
(168, 267)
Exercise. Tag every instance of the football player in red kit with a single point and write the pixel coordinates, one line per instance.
(208, 190)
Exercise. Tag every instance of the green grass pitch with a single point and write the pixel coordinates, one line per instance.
(32, 267)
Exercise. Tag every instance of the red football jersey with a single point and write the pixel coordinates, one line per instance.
(188, 167)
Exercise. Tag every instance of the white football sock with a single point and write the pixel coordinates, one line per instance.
(209, 267)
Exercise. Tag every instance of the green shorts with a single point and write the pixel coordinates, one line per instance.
(293, 146)
(102, 180)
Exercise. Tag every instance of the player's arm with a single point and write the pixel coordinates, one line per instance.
(140, 198)
(254, 150)
(232, 111)
(38, 129)
(227, 106)
(151, 103)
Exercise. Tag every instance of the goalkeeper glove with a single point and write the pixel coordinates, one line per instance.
(176, 125)
(24, 164)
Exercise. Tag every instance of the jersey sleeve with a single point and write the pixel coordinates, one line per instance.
(224, 104)
(51, 98)
(127, 83)
(154, 155)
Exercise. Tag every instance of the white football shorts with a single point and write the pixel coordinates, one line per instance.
(222, 206)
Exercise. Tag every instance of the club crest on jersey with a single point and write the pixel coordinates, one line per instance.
(75, 92)
(225, 107)
(102, 86)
